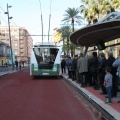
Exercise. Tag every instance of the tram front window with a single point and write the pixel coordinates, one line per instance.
(45, 56)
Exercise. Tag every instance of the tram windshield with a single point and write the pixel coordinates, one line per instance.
(45, 57)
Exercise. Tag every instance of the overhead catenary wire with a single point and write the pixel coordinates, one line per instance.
(5, 20)
(19, 25)
(14, 22)
(42, 35)
(1, 17)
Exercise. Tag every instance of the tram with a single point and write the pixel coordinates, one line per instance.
(45, 60)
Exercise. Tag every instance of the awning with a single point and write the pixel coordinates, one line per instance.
(94, 34)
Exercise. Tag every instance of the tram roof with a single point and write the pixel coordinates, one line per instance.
(105, 30)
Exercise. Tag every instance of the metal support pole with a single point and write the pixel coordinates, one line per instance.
(85, 51)
(10, 37)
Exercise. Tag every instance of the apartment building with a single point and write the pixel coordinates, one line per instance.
(21, 41)
(5, 53)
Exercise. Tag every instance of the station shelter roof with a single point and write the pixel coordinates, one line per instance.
(94, 34)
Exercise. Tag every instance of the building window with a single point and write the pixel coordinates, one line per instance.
(2, 30)
(4, 49)
(2, 39)
(16, 44)
(16, 53)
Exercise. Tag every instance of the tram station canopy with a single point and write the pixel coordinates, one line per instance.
(101, 32)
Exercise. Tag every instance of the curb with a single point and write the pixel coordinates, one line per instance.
(105, 111)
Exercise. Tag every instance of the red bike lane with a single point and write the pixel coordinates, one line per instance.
(25, 98)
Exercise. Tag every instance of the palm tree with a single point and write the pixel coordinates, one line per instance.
(65, 33)
(72, 15)
(89, 10)
(106, 7)
(96, 8)
(84, 11)
(116, 4)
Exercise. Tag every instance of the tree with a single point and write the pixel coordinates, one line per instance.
(72, 15)
(65, 32)
(89, 11)
(106, 7)
(116, 4)
(96, 9)
(84, 11)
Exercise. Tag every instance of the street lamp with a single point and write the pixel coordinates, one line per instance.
(10, 34)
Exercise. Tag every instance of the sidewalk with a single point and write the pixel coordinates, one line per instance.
(2, 73)
(94, 95)
(9, 71)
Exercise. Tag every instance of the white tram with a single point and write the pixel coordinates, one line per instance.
(45, 60)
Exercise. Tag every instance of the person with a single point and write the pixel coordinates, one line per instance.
(101, 72)
(108, 84)
(16, 64)
(73, 69)
(63, 65)
(68, 64)
(52, 58)
(117, 64)
(93, 63)
(90, 80)
(23, 63)
(20, 64)
(82, 65)
(109, 63)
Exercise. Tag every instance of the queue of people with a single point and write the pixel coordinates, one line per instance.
(96, 71)
(19, 64)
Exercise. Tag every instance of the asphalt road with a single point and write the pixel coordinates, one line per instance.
(25, 98)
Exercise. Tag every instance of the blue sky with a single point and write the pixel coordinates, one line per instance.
(27, 14)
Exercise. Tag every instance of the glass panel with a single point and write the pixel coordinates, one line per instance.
(118, 17)
(110, 17)
(45, 57)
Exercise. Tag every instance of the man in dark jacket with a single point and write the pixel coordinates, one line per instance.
(16, 63)
(68, 64)
(63, 65)
(109, 62)
(93, 63)
(74, 67)
(101, 71)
